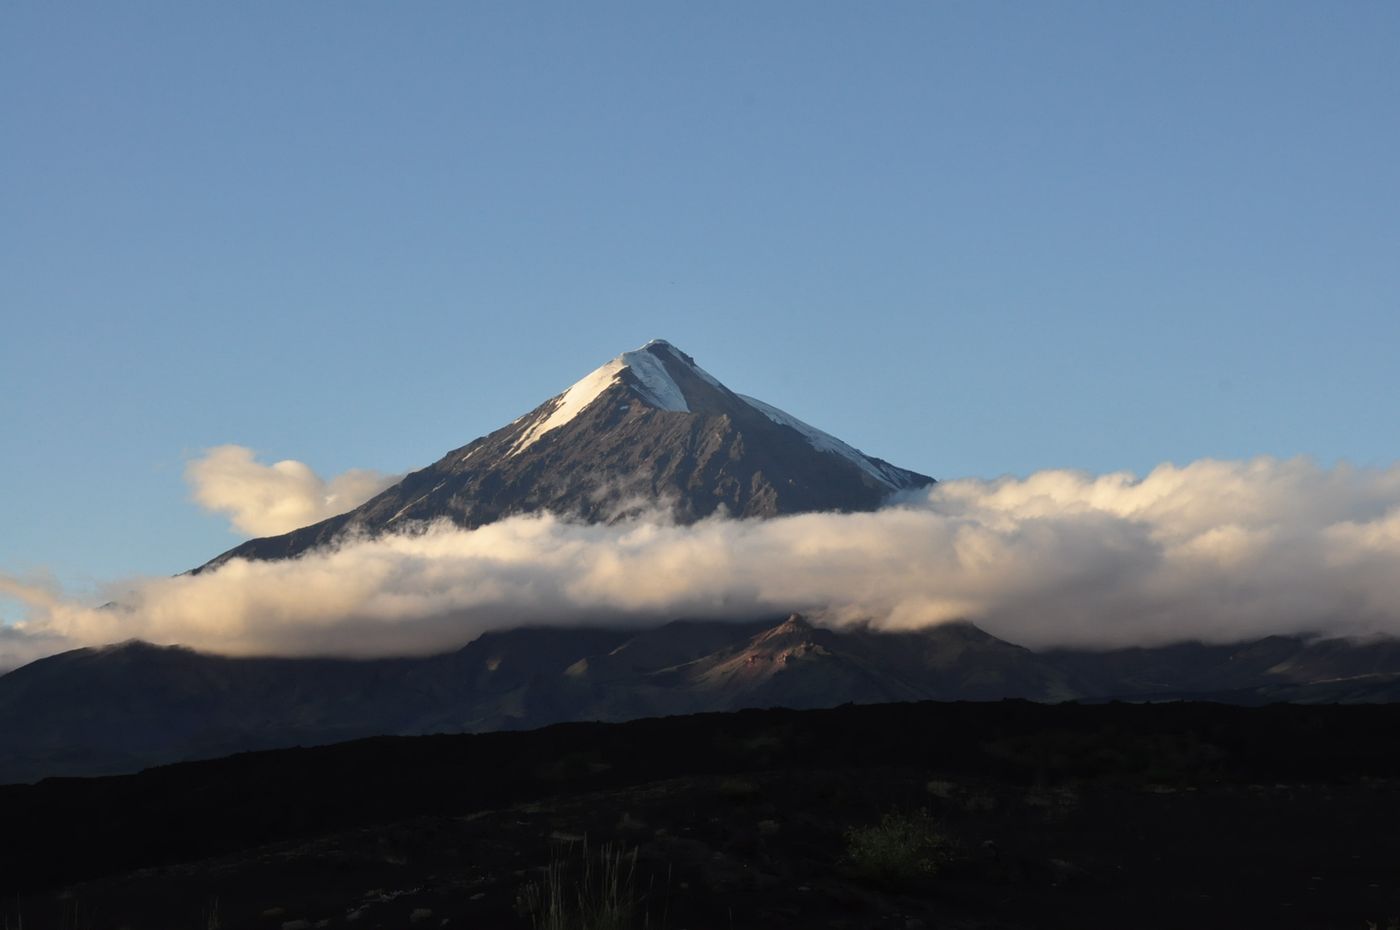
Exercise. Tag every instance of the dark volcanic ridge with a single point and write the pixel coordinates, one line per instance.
(126, 707)
(650, 429)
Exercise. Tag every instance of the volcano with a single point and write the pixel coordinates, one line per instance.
(650, 430)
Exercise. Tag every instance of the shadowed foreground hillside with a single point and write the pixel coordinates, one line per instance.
(1007, 814)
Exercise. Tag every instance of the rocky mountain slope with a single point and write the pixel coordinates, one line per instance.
(650, 429)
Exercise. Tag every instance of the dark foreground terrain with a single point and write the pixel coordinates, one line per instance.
(1006, 814)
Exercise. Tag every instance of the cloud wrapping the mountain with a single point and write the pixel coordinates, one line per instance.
(1214, 550)
(266, 500)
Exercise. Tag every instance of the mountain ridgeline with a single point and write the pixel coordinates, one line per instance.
(648, 430)
(125, 707)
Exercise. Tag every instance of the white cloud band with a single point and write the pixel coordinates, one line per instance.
(1214, 550)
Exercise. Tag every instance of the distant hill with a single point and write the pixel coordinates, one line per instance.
(125, 707)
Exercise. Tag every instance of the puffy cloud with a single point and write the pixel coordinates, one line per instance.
(1213, 550)
(25, 642)
(265, 500)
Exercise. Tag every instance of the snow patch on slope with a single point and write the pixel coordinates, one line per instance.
(825, 442)
(654, 385)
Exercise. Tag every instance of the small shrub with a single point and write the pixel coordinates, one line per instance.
(901, 849)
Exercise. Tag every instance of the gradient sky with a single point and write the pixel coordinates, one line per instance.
(971, 238)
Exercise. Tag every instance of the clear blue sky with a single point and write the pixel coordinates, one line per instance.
(972, 238)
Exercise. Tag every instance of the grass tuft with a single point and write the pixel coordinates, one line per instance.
(585, 891)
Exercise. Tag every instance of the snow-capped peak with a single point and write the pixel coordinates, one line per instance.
(652, 382)
(657, 346)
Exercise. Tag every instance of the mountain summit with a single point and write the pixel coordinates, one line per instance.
(650, 429)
